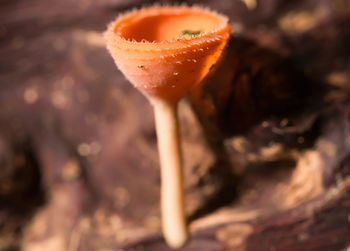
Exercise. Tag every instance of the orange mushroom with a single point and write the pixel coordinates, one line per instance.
(164, 51)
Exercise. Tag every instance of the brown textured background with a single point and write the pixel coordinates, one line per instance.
(266, 137)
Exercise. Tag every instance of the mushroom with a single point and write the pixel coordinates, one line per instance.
(164, 51)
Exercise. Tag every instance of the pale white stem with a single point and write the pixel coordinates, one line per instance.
(172, 198)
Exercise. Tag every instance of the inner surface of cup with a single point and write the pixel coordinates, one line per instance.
(165, 24)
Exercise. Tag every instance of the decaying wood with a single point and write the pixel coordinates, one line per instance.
(266, 136)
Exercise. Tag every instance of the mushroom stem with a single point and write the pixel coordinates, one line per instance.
(172, 197)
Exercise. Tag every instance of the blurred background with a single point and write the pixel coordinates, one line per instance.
(266, 137)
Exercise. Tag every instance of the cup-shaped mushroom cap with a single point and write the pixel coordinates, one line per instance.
(164, 51)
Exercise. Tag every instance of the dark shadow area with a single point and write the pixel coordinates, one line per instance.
(251, 85)
(225, 193)
(21, 191)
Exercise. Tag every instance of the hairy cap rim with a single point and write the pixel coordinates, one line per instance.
(113, 34)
